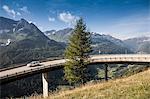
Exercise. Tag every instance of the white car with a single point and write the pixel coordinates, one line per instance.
(33, 63)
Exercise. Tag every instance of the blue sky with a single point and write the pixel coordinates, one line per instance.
(119, 18)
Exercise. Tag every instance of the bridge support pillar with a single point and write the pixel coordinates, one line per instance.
(45, 84)
(106, 72)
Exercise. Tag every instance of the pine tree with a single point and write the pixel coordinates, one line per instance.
(77, 54)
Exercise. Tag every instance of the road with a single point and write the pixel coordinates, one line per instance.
(27, 68)
(123, 58)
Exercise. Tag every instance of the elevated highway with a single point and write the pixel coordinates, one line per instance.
(23, 71)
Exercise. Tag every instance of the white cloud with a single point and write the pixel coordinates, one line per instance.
(68, 18)
(25, 9)
(10, 11)
(51, 19)
(14, 13)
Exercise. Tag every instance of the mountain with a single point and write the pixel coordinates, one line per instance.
(105, 43)
(144, 48)
(97, 38)
(23, 42)
(20, 30)
(60, 35)
(139, 44)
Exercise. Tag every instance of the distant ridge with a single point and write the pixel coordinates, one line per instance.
(105, 43)
(139, 44)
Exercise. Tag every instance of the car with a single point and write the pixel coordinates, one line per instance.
(33, 64)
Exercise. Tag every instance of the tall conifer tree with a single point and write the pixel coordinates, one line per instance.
(77, 54)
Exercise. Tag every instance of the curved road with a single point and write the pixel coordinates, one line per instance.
(118, 58)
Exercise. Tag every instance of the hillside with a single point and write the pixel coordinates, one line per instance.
(133, 87)
(21, 41)
(105, 43)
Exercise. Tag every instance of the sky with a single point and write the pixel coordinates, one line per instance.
(120, 18)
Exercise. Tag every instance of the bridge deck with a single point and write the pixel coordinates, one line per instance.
(122, 58)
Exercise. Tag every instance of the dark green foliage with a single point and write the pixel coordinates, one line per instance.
(78, 52)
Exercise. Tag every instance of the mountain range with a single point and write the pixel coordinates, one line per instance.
(21, 41)
(106, 43)
(27, 43)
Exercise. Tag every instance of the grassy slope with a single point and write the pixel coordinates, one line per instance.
(133, 87)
